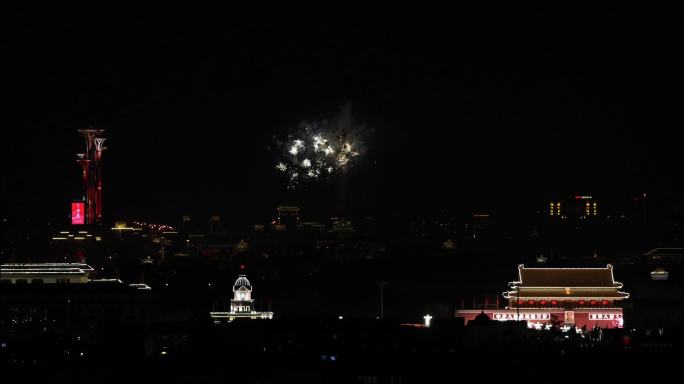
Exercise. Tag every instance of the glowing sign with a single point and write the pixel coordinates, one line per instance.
(605, 316)
(77, 213)
(582, 197)
(523, 316)
(615, 318)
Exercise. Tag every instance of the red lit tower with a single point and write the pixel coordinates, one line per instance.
(91, 163)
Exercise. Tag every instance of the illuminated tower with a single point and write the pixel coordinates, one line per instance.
(242, 296)
(241, 305)
(91, 163)
(85, 165)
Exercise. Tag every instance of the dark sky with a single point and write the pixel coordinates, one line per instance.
(476, 108)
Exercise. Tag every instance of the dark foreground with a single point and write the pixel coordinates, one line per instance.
(309, 350)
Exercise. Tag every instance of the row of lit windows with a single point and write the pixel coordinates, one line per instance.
(589, 209)
(32, 281)
(557, 210)
(555, 302)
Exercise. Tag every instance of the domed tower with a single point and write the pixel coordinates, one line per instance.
(241, 305)
(242, 296)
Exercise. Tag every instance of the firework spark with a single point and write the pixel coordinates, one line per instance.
(321, 149)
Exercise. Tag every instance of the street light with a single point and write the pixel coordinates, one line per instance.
(382, 299)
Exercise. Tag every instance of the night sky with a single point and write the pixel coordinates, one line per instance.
(470, 108)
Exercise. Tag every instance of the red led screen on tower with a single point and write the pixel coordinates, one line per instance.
(77, 213)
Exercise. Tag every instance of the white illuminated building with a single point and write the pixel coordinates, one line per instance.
(241, 305)
(45, 273)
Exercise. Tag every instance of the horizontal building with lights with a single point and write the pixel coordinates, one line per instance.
(45, 273)
(581, 297)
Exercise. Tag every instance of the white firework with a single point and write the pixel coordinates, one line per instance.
(319, 149)
(296, 147)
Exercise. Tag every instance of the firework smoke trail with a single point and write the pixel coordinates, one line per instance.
(317, 150)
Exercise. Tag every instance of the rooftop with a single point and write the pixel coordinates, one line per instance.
(45, 268)
(566, 277)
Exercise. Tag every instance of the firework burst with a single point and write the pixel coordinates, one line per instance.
(318, 150)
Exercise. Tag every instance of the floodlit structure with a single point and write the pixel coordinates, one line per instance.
(659, 274)
(45, 273)
(241, 305)
(580, 297)
(91, 164)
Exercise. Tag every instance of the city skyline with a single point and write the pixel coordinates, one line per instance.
(201, 194)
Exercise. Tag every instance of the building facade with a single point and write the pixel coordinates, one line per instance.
(566, 297)
(575, 207)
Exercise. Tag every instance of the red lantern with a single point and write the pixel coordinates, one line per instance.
(521, 302)
(605, 302)
(554, 302)
(543, 302)
(581, 302)
(531, 302)
(593, 302)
